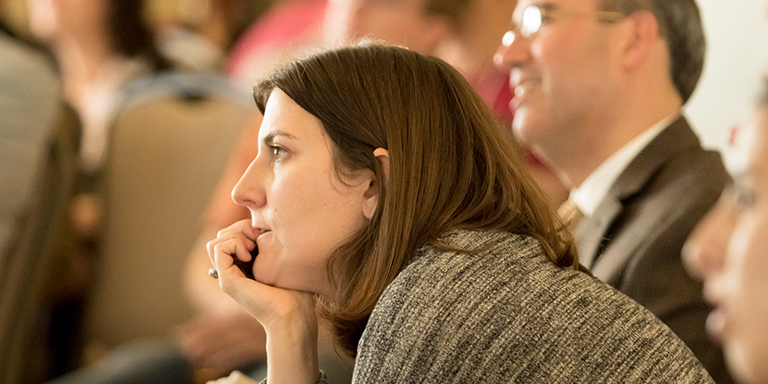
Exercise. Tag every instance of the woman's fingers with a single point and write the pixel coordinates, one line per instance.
(236, 240)
(243, 227)
(270, 305)
(224, 261)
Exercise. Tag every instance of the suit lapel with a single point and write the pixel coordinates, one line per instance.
(590, 232)
(593, 236)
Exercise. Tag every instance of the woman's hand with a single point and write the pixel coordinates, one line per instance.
(287, 316)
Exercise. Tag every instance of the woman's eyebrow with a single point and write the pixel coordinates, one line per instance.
(270, 137)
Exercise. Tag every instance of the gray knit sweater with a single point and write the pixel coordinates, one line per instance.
(507, 315)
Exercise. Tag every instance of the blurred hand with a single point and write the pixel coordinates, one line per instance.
(221, 342)
(87, 213)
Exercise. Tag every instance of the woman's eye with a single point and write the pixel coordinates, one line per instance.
(277, 151)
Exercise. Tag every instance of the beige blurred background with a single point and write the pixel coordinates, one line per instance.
(189, 12)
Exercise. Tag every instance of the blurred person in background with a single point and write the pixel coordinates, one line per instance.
(287, 27)
(419, 25)
(728, 252)
(476, 27)
(462, 32)
(38, 135)
(29, 96)
(201, 34)
(293, 26)
(100, 46)
(582, 72)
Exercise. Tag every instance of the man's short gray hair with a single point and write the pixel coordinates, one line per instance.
(680, 25)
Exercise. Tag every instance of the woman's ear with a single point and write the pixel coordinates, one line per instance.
(382, 155)
(371, 195)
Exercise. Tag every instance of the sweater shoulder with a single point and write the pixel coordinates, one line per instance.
(504, 313)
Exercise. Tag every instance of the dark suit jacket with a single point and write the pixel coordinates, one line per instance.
(633, 240)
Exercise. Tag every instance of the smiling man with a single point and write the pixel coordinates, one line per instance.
(599, 86)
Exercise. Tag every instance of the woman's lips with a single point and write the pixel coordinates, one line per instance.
(717, 321)
(262, 232)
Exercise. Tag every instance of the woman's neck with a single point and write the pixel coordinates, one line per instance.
(84, 61)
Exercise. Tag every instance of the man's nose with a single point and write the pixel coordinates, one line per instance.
(513, 51)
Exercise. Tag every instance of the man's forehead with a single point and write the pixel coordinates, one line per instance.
(416, 4)
(553, 4)
(517, 15)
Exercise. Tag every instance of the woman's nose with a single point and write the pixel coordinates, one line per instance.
(249, 191)
(704, 252)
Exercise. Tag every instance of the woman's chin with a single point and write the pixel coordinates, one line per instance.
(268, 276)
(745, 361)
(264, 274)
(282, 276)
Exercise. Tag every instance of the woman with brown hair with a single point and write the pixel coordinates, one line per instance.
(384, 189)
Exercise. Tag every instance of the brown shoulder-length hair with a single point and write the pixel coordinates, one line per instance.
(450, 167)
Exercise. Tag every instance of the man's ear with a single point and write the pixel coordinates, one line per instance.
(641, 37)
(371, 196)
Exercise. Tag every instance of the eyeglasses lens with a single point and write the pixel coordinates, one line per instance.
(531, 21)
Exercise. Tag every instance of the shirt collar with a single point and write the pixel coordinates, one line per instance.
(593, 190)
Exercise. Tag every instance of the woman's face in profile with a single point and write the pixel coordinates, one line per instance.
(729, 251)
(302, 208)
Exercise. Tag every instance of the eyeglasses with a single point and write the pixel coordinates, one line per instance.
(535, 15)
